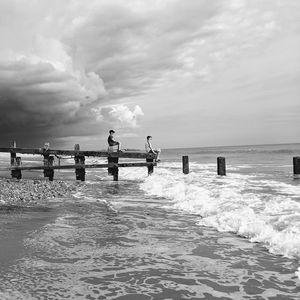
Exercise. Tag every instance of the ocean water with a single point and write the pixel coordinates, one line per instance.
(166, 236)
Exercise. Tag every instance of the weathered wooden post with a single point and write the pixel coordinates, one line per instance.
(46, 164)
(50, 164)
(109, 169)
(18, 173)
(114, 171)
(221, 166)
(185, 164)
(296, 165)
(46, 159)
(79, 160)
(13, 156)
(150, 168)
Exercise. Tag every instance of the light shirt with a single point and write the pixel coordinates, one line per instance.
(148, 146)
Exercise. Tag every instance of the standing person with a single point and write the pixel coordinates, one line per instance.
(149, 148)
(112, 142)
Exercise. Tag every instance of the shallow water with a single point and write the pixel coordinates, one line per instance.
(126, 247)
(168, 236)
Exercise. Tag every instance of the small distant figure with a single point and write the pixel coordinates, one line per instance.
(45, 148)
(149, 148)
(112, 143)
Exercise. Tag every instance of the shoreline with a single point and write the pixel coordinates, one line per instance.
(131, 246)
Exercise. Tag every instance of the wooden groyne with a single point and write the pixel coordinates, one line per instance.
(221, 166)
(79, 156)
(296, 167)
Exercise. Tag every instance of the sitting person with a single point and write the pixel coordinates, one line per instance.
(149, 148)
(112, 142)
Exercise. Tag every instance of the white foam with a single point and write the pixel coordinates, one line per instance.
(281, 187)
(235, 204)
(298, 273)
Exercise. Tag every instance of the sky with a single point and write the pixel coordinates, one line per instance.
(190, 73)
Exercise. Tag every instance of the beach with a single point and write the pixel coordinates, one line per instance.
(30, 192)
(167, 236)
(149, 150)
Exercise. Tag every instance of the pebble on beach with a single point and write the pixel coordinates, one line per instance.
(29, 192)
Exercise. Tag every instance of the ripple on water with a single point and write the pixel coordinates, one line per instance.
(139, 251)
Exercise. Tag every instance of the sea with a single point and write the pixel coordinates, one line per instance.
(165, 236)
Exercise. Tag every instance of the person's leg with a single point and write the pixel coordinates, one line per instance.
(116, 146)
(158, 154)
(110, 149)
(119, 146)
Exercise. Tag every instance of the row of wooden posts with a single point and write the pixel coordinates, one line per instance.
(112, 165)
(80, 167)
(221, 166)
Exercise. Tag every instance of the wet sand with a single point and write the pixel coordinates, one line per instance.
(24, 208)
(112, 242)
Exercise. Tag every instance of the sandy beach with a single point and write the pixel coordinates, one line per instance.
(31, 192)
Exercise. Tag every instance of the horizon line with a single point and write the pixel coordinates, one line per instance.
(219, 146)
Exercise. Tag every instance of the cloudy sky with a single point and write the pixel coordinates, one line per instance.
(187, 72)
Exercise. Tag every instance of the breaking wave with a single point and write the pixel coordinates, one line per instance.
(260, 209)
(264, 211)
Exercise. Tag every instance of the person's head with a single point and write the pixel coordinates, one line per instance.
(111, 132)
(149, 137)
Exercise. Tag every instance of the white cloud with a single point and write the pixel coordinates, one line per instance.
(120, 116)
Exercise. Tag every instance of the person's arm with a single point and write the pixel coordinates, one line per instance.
(150, 147)
(112, 142)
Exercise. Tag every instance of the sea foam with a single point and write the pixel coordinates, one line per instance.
(236, 203)
(298, 273)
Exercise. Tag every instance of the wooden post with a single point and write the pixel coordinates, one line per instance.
(109, 170)
(79, 160)
(150, 168)
(82, 170)
(221, 166)
(13, 156)
(114, 170)
(46, 158)
(18, 173)
(296, 165)
(185, 164)
(46, 164)
(50, 164)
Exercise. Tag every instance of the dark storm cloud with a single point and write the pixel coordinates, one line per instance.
(61, 63)
(36, 98)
